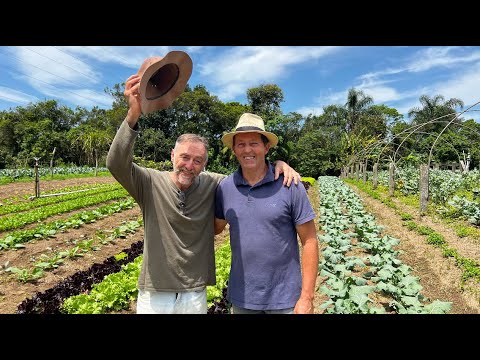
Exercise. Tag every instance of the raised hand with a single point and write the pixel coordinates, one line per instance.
(131, 93)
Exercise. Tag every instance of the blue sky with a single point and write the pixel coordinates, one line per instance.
(310, 76)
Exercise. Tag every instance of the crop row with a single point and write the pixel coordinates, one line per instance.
(363, 273)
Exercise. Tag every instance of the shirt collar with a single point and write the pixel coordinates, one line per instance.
(239, 180)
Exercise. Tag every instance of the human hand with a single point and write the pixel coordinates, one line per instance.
(132, 94)
(303, 306)
(289, 174)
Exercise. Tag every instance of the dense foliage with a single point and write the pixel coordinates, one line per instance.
(315, 145)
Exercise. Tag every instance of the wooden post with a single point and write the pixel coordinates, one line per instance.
(423, 188)
(51, 161)
(37, 179)
(96, 162)
(357, 170)
(391, 179)
(375, 176)
(365, 171)
(352, 171)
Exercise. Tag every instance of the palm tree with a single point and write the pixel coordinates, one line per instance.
(433, 108)
(356, 105)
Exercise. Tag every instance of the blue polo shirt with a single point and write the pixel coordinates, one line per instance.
(265, 272)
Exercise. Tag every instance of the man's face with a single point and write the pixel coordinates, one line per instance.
(188, 159)
(250, 150)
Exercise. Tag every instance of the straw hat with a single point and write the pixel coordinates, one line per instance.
(249, 123)
(163, 79)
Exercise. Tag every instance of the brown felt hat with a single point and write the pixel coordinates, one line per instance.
(249, 123)
(163, 79)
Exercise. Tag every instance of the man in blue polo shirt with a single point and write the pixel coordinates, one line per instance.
(266, 275)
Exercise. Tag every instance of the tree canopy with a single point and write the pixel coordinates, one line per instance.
(314, 145)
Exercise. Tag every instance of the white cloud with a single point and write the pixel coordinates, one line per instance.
(194, 49)
(319, 102)
(61, 73)
(305, 111)
(424, 60)
(463, 85)
(86, 98)
(14, 96)
(129, 56)
(78, 74)
(380, 95)
(48, 64)
(78, 97)
(242, 67)
(440, 57)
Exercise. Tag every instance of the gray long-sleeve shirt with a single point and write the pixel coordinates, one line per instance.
(178, 252)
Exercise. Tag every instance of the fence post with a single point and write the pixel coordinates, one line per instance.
(375, 176)
(391, 179)
(423, 188)
(37, 179)
(51, 162)
(365, 171)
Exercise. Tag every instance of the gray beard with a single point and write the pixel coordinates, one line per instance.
(181, 179)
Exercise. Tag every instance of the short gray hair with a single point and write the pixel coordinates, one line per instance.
(193, 138)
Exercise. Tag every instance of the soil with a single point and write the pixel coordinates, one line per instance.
(439, 276)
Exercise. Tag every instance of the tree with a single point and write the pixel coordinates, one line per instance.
(400, 141)
(265, 100)
(328, 128)
(378, 120)
(221, 159)
(434, 108)
(153, 145)
(314, 160)
(334, 116)
(39, 128)
(119, 100)
(470, 133)
(7, 140)
(94, 141)
(356, 105)
(433, 117)
(287, 128)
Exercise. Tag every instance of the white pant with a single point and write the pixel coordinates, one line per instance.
(156, 302)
